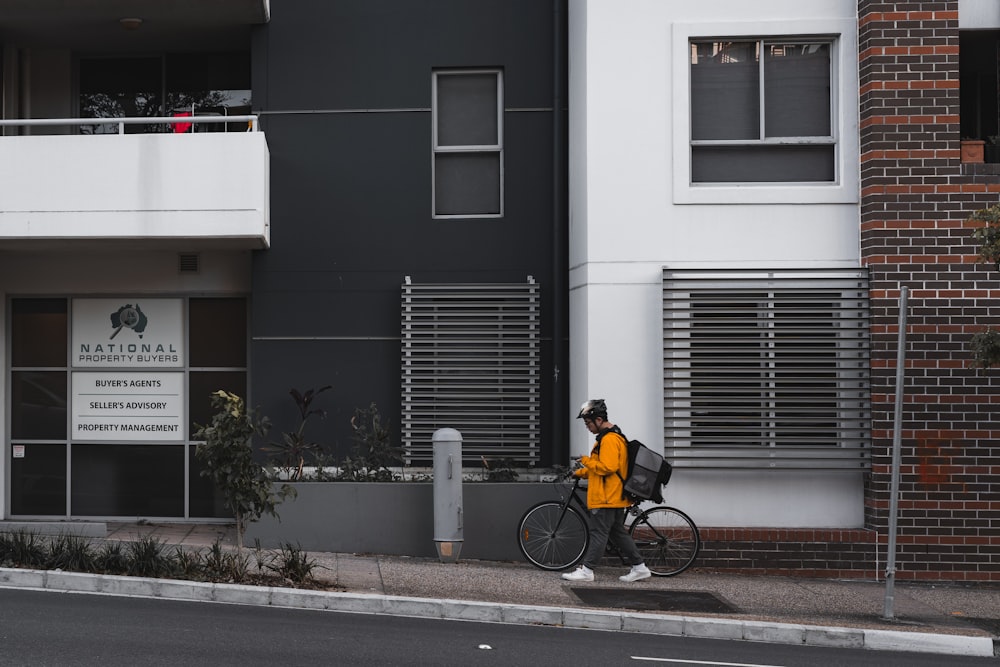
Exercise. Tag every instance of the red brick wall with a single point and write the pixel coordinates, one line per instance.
(848, 554)
(915, 199)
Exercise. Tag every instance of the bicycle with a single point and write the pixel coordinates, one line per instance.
(554, 535)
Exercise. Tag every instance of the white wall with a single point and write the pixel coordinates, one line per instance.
(978, 14)
(632, 212)
(181, 186)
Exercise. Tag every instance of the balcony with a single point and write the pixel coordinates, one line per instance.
(197, 189)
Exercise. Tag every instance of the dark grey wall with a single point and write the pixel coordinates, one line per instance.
(344, 90)
(398, 518)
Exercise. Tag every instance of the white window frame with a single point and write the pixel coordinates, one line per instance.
(842, 36)
(487, 148)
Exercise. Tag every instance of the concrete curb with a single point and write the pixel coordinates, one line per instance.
(488, 612)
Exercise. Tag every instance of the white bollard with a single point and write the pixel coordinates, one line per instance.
(448, 523)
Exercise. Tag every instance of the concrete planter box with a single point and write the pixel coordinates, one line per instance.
(398, 518)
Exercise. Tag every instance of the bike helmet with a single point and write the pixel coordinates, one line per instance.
(593, 408)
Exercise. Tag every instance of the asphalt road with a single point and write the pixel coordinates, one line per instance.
(40, 628)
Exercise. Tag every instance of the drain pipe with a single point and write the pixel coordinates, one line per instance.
(559, 286)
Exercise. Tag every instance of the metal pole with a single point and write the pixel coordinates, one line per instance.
(897, 437)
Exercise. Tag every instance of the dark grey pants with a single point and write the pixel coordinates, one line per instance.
(606, 523)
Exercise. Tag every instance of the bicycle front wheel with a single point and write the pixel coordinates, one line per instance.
(552, 537)
(667, 539)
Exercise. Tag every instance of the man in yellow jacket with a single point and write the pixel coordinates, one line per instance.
(605, 470)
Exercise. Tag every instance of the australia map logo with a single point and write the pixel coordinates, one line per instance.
(130, 317)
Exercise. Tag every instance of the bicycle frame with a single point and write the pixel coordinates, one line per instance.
(552, 535)
(573, 496)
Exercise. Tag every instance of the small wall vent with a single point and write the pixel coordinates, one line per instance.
(188, 262)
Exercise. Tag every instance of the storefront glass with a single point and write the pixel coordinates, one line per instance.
(104, 396)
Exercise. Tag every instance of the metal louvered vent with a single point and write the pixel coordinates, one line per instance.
(188, 262)
(767, 369)
(470, 361)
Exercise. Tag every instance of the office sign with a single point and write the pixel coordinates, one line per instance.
(128, 405)
(128, 333)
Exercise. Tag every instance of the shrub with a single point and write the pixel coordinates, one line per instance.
(987, 236)
(293, 564)
(26, 549)
(372, 454)
(146, 558)
(985, 347)
(149, 557)
(228, 460)
(112, 559)
(72, 553)
(289, 455)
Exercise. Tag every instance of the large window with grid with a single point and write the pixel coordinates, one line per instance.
(467, 140)
(765, 112)
(86, 420)
(767, 369)
(762, 110)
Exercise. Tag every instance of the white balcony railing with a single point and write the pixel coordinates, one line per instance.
(211, 186)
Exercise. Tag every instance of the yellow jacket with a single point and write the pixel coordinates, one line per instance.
(604, 486)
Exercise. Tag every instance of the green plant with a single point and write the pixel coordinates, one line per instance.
(150, 557)
(227, 458)
(226, 566)
(263, 559)
(326, 469)
(238, 567)
(502, 470)
(72, 553)
(985, 347)
(372, 454)
(146, 557)
(987, 233)
(26, 549)
(5, 550)
(188, 563)
(111, 558)
(215, 562)
(293, 564)
(290, 454)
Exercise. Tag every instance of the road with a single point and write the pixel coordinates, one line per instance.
(41, 628)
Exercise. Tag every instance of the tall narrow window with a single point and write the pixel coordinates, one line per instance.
(467, 139)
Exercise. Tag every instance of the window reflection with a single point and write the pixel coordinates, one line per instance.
(177, 85)
(38, 405)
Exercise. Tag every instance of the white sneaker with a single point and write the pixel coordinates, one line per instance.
(638, 572)
(581, 573)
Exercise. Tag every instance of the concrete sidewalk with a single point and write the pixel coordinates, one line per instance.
(950, 619)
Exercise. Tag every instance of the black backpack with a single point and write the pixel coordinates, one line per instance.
(647, 472)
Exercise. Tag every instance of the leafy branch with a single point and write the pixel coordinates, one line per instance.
(227, 457)
(290, 454)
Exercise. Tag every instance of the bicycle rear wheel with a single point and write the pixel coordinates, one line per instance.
(551, 538)
(667, 539)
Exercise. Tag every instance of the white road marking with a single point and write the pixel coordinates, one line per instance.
(700, 662)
